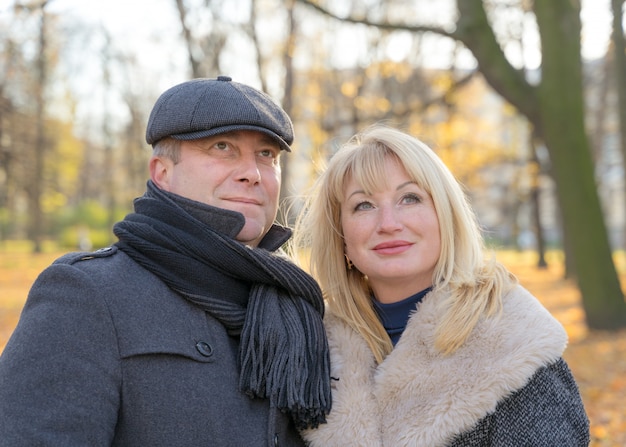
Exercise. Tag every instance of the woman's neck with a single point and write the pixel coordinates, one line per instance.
(392, 291)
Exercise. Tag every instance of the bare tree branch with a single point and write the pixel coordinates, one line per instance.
(381, 25)
(182, 13)
(505, 79)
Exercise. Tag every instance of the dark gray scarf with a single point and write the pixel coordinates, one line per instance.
(272, 305)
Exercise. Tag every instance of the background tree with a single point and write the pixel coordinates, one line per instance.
(301, 58)
(36, 177)
(619, 56)
(555, 108)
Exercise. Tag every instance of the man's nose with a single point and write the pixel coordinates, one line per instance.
(248, 169)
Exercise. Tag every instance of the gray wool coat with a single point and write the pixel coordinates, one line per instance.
(507, 386)
(105, 354)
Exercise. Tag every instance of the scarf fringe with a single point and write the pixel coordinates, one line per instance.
(269, 364)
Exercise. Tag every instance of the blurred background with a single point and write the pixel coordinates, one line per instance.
(524, 101)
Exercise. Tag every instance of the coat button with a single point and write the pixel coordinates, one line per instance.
(204, 348)
(275, 439)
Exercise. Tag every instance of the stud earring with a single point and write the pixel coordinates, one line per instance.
(348, 262)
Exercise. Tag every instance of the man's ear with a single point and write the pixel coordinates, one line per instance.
(160, 168)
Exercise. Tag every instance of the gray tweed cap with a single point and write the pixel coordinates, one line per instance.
(205, 107)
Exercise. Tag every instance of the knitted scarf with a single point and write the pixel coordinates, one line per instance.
(272, 305)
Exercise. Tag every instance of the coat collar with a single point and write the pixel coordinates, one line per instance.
(418, 396)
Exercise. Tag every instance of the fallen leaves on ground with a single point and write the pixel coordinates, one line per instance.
(18, 271)
(597, 359)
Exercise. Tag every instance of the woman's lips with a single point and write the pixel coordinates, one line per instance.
(392, 247)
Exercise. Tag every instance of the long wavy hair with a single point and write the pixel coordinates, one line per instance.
(474, 284)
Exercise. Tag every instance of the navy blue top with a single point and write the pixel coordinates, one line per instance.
(394, 316)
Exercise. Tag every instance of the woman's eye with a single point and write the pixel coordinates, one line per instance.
(363, 206)
(411, 198)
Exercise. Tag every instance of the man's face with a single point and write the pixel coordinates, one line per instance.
(237, 171)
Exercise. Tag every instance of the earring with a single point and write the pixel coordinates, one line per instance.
(348, 262)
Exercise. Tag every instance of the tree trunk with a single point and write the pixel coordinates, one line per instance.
(536, 209)
(619, 50)
(36, 187)
(285, 195)
(109, 181)
(561, 109)
(193, 62)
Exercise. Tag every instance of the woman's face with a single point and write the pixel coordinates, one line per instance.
(392, 235)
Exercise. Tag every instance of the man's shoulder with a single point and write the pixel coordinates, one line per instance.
(105, 265)
(108, 274)
(102, 260)
(80, 256)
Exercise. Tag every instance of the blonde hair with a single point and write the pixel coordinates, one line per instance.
(473, 285)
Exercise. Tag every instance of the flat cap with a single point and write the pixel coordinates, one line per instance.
(206, 107)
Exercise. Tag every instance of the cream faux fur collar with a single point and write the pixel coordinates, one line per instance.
(417, 396)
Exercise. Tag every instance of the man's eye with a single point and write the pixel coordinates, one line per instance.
(273, 153)
(221, 145)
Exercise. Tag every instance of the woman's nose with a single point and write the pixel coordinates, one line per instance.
(388, 220)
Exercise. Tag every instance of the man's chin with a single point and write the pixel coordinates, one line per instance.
(251, 234)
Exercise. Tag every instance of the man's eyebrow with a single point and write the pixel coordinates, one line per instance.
(266, 139)
(263, 137)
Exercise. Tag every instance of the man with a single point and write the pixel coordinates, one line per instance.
(190, 330)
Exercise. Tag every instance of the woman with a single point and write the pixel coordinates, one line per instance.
(431, 343)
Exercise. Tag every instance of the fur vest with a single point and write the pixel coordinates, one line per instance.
(504, 386)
